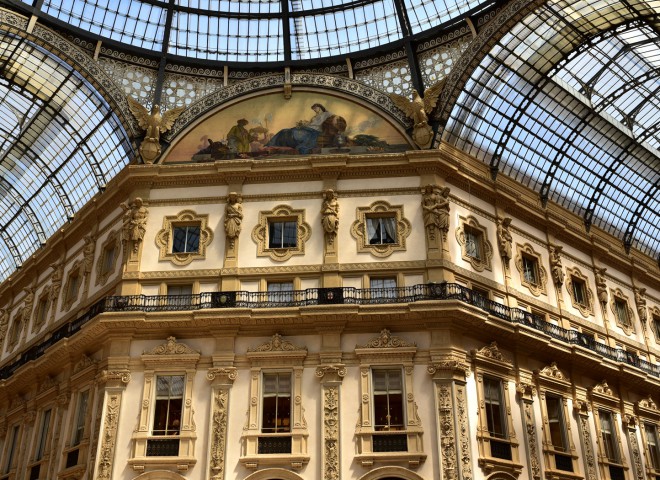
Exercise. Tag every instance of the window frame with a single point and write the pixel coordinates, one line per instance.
(275, 356)
(170, 358)
(383, 292)
(489, 363)
(605, 401)
(11, 449)
(104, 271)
(575, 277)
(526, 253)
(649, 415)
(388, 352)
(281, 213)
(470, 226)
(380, 209)
(165, 237)
(41, 311)
(74, 281)
(380, 227)
(290, 225)
(619, 301)
(655, 320)
(279, 296)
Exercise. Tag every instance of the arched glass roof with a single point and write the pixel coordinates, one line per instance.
(256, 30)
(60, 143)
(567, 103)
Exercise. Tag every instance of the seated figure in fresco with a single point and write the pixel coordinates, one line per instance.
(306, 135)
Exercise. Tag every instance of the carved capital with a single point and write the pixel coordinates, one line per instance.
(223, 374)
(108, 375)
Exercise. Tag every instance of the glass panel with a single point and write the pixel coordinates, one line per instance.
(381, 230)
(79, 427)
(43, 435)
(494, 408)
(472, 243)
(556, 426)
(652, 443)
(185, 239)
(169, 403)
(388, 399)
(530, 270)
(608, 436)
(276, 403)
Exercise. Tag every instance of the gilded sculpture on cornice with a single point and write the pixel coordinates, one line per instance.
(419, 110)
(435, 209)
(505, 239)
(153, 124)
(233, 215)
(556, 267)
(134, 222)
(330, 212)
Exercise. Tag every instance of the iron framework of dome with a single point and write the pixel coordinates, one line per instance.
(561, 96)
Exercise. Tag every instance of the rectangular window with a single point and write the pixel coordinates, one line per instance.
(383, 287)
(169, 404)
(12, 446)
(81, 414)
(185, 239)
(282, 234)
(280, 292)
(579, 291)
(621, 307)
(473, 243)
(652, 445)
(556, 423)
(43, 435)
(388, 399)
(42, 310)
(381, 230)
(108, 261)
(494, 407)
(608, 436)
(276, 403)
(72, 292)
(656, 327)
(530, 269)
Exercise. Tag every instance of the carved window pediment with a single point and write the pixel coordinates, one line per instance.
(491, 358)
(552, 377)
(646, 407)
(602, 393)
(171, 352)
(166, 242)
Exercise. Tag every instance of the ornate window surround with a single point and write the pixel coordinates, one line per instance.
(535, 289)
(71, 294)
(182, 219)
(43, 297)
(603, 398)
(380, 208)
(112, 240)
(575, 273)
(281, 213)
(617, 294)
(275, 355)
(648, 412)
(170, 358)
(479, 264)
(489, 361)
(551, 379)
(15, 330)
(387, 350)
(655, 317)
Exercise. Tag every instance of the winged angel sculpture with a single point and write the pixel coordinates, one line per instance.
(419, 110)
(154, 124)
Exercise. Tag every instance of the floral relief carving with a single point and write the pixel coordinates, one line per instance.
(219, 434)
(447, 434)
(530, 429)
(276, 344)
(331, 432)
(386, 340)
(464, 432)
(171, 347)
(109, 437)
(636, 455)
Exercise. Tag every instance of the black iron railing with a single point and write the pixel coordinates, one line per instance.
(327, 296)
(390, 443)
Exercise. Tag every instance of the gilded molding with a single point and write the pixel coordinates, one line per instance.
(377, 209)
(164, 237)
(281, 213)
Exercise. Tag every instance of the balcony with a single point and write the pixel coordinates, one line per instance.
(328, 296)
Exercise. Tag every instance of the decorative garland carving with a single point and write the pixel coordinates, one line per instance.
(635, 453)
(464, 432)
(219, 433)
(386, 340)
(531, 439)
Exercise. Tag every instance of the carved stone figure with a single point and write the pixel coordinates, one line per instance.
(4, 324)
(330, 212)
(556, 266)
(154, 124)
(26, 313)
(56, 282)
(135, 221)
(601, 285)
(435, 209)
(88, 254)
(504, 238)
(233, 215)
(419, 110)
(640, 301)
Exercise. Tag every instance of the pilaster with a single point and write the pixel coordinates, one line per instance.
(331, 377)
(222, 379)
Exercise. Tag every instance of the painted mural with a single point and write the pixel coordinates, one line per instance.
(270, 126)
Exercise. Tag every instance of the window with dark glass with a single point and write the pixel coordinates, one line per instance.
(42, 311)
(81, 414)
(43, 435)
(656, 327)
(108, 260)
(74, 283)
(530, 269)
(579, 291)
(282, 234)
(280, 292)
(494, 407)
(473, 243)
(608, 436)
(652, 445)
(179, 295)
(185, 239)
(381, 230)
(388, 399)
(169, 404)
(621, 308)
(12, 447)
(276, 403)
(556, 423)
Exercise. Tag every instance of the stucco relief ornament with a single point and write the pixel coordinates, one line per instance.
(556, 266)
(435, 210)
(603, 388)
(4, 324)
(491, 351)
(153, 124)
(601, 286)
(88, 254)
(330, 213)
(233, 216)
(26, 312)
(386, 340)
(171, 347)
(419, 110)
(505, 239)
(134, 224)
(640, 301)
(56, 282)
(276, 344)
(553, 371)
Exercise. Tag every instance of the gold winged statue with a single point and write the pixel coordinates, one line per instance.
(154, 124)
(419, 110)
